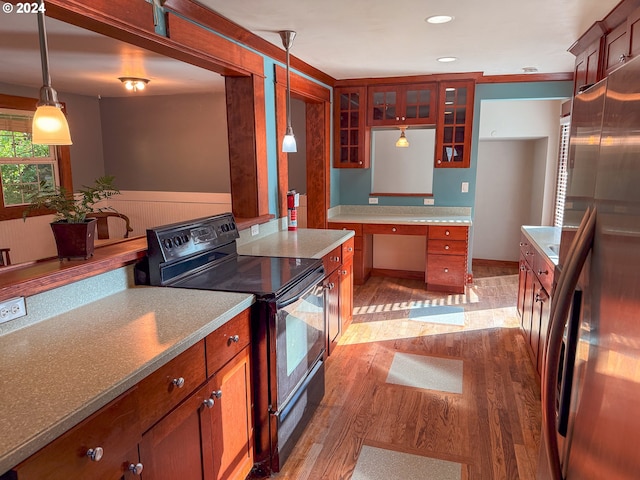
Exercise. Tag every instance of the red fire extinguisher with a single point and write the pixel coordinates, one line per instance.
(293, 202)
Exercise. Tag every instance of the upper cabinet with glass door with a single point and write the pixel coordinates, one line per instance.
(408, 104)
(455, 120)
(351, 135)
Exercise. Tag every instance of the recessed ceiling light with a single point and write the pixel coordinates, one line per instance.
(439, 19)
(447, 59)
(529, 69)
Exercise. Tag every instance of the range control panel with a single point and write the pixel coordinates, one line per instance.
(180, 240)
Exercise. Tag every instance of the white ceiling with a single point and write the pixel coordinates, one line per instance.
(343, 38)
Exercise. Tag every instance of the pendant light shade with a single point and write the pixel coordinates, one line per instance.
(50, 125)
(402, 141)
(289, 140)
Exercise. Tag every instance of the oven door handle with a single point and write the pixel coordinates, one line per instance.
(296, 294)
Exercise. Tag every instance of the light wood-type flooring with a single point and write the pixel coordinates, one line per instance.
(492, 428)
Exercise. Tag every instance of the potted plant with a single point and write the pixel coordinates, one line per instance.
(74, 233)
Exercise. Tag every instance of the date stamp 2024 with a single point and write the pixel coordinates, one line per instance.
(23, 7)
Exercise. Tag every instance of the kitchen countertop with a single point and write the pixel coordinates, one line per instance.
(427, 215)
(547, 239)
(59, 371)
(301, 243)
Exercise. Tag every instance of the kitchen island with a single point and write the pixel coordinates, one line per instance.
(62, 368)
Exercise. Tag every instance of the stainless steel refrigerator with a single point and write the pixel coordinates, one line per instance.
(591, 378)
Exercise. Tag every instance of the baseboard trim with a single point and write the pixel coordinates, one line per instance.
(483, 262)
(385, 272)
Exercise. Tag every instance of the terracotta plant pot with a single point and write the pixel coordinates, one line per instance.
(74, 240)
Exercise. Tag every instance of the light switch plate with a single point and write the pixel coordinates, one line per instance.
(373, 200)
(465, 187)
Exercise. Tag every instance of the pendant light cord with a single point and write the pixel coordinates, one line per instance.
(289, 127)
(44, 50)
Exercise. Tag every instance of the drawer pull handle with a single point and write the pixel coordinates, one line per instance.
(335, 259)
(136, 468)
(447, 232)
(446, 270)
(208, 403)
(349, 249)
(217, 394)
(344, 272)
(446, 247)
(394, 229)
(95, 454)
(543, 272)
(178, 382)
(234, 339)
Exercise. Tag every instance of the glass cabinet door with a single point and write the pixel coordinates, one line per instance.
(406, 104)
(419, 104)
(454, 125)
(351, 144)
(383, 105)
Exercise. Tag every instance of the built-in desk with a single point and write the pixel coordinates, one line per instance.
(446, 231)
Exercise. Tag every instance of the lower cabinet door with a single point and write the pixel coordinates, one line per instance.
(332, 310)
(179, 445)
(346, 294)
(231, 422)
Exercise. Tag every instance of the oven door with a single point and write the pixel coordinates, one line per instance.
(300, 339)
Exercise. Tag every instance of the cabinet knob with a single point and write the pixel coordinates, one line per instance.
(447, 233)
(95, 454)
(446, 270)
(234, 339)
(446, 247)
(538, 297)
(394, 229)
(178, 382)
(136, 468)
(344, 272)
(216, 394)
(359, 163)
(208, 402)
(439, 162)
(623, 57)
(349, 249)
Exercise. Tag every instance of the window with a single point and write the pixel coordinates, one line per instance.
(23, 166)
(561, 178)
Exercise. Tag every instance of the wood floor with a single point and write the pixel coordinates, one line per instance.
(492, 428)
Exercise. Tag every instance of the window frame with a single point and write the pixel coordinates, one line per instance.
(63, 154)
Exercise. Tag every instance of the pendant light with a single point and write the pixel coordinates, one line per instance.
(402, 141)
(50, 126)
(289, 141)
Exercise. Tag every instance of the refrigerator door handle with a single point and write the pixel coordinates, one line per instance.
(563, 296)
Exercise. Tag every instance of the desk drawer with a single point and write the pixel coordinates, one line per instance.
(446, 271)
(356, 227)
(447, 247)
(446, 232)
(395, 229)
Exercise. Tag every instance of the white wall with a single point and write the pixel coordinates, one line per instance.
(518, 145)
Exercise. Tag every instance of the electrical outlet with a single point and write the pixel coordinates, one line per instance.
(12, 309)
(373, 200)
(465, 187)
(255, 230)
(429, 201)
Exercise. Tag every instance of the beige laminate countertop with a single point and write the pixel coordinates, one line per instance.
(301, 243)
(401, 215)
(57, 372)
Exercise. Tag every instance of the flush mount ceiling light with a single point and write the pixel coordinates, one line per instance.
(289, 141)
(447, 59)
(50, 126)
(134, 84)
(436, 19)
(402, 141)
(529, 69)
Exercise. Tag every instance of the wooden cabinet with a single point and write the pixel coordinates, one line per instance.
(351, 137)
(338, 288)
(447, 258)
(191, 418)
(534, 302)
(406, 104)
(362, 251)
(587, 67)
(455, 121)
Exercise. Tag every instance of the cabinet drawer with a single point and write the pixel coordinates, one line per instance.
(356, 227)
(447, 247)
(446, 270)
(170, 384)
(114, 429)
(348, 248)
(222, 345)
(544, 270)
(390, 229)
(444, 232)
(332, 260)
